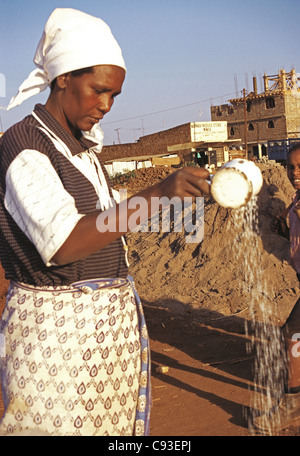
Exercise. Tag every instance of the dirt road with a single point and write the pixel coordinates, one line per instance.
(207, 388)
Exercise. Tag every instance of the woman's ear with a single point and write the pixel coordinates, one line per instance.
(62, 80)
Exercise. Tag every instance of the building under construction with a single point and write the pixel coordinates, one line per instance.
(264, 120)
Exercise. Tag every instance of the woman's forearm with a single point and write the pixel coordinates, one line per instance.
(95, 231)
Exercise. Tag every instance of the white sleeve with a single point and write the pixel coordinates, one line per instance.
(38, 202)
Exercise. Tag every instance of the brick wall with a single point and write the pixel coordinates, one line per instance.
(120, 151)
(149, 145)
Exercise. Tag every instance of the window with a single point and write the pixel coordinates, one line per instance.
(231, 131)
(271, 124)
(270, 102)
(250, 127)
(249, 105)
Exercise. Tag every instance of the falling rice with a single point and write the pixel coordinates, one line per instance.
(265, 338)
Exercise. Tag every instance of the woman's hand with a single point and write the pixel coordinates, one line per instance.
(186, 182)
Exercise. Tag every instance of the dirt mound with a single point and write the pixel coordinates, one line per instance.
(205, 279)
(139, 179)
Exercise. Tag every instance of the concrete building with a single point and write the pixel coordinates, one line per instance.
(259, 118)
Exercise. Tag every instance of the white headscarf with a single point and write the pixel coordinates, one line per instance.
(71, 40)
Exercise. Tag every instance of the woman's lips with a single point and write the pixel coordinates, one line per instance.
(95, 119)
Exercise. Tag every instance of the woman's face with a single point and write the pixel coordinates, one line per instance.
(87, 98)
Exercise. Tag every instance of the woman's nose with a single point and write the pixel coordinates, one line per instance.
(105, 105)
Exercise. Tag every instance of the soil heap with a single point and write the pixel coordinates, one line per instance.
(205, 278)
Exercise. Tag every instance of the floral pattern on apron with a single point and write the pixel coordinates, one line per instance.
(77, 360)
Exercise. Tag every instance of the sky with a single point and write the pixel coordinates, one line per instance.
(182, 56)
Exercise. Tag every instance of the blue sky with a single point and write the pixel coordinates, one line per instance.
(181, 55)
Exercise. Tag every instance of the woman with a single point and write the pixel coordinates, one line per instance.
(77, 354)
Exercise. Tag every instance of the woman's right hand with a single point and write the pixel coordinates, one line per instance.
(186, 182)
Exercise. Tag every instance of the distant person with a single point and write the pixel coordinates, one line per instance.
(77, 352)
(287, 412)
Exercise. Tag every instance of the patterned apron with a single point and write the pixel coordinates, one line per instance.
(77, 360)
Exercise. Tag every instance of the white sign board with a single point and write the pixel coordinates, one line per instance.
(209, 131)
